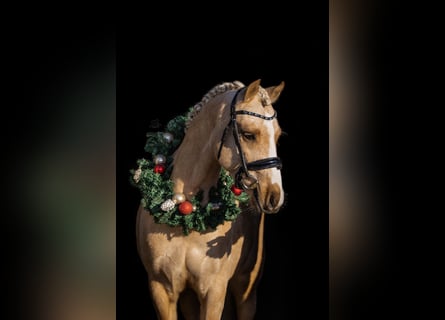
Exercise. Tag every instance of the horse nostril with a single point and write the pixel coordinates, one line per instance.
(273, 199)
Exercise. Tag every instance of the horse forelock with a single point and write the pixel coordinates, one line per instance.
(264, 97)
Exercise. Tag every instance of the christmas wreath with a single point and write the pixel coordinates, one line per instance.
(152, 178)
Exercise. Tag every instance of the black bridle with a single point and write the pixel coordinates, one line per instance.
(243, 178)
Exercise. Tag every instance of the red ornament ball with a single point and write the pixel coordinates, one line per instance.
(237, 191)
(159, 168)
(185, 207)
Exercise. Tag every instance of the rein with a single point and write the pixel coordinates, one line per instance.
(243, 178)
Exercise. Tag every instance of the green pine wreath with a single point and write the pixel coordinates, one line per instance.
(156, 187)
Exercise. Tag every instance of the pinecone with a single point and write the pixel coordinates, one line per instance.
(137, 175)
(167, 205)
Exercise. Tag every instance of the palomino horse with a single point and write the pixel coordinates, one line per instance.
(214, 274)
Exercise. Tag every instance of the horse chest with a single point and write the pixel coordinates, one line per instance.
(194, 260)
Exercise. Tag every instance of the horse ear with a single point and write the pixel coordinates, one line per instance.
(274, 92)
(252, 90)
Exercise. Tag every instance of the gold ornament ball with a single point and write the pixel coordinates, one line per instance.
(159, 159)
(178, 197)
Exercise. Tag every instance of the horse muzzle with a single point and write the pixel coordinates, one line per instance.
(273, 197)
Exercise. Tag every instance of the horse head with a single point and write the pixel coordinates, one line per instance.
(248, 147)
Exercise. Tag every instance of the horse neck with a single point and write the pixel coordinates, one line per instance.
(195, 164)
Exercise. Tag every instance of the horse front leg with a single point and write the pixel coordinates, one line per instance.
(165, 301)
(212, 302)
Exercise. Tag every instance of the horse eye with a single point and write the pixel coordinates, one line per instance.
(248, 136)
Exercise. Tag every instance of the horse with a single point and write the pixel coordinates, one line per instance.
(215, 273)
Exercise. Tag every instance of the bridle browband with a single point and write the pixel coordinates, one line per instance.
(243, 178)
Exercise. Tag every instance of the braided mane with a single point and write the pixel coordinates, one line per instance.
(216, 90)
